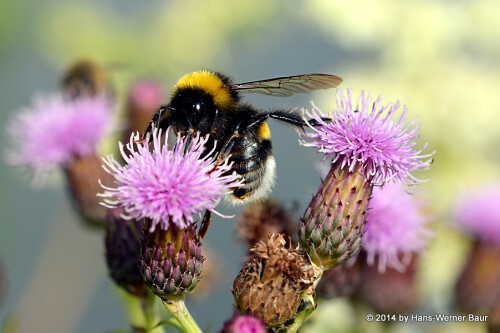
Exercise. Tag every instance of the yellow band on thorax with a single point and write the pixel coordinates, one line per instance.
(210, 83)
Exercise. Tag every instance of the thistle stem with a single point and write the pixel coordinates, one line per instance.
(141, 313)
(310, 306)
(133, 309)
(178, 309)
(150, 308)
(303, 315)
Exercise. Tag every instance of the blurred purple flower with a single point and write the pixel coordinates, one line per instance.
(168, 186)
(54, 130)
(395, 227)
(244, 324)
(146, 95)
(361, 134)
(478, 213)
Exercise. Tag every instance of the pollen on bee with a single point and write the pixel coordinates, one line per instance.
(264, 132)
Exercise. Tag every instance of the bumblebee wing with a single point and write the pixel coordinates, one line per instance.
(289, 85)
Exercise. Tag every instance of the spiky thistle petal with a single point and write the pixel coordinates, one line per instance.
(55, 130)
(168, 186)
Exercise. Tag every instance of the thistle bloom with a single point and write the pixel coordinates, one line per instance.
(144, 99)
(395, 227)
(55, 130)
(167, 186)
(361, 135)
(244, 324)
(368, 148)
(478, 213)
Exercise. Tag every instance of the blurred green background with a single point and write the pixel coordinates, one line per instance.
(440, 58)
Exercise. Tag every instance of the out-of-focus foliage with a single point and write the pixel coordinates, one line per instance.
(169, 37)
(8, 22)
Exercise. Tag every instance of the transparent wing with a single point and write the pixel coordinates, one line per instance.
(289, 85)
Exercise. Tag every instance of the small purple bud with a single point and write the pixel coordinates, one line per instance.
(177, 270)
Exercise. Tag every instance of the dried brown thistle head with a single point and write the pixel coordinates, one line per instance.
(271, 284)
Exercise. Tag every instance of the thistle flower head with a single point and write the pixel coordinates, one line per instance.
(54, 130)
(478, 213)
(171, 261)
(168, 186)
(244, 324)
(365, 134)
(144, 99)
(395, 227)
(146, 96)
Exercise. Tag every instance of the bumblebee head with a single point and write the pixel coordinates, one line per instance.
(211, 85)
(194, 108)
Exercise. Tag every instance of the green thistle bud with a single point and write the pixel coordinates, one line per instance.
(272, 283)
(332, 226)
(171, 261)
(122, 242)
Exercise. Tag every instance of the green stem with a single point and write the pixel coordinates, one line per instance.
(178, 309)
(299, 320)
(141, 313)
(150, 307)
(133, 309)
(309, 306)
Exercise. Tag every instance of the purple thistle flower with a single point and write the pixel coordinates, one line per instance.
(168, 186)
(55, 130)
(361, 134)
(244, 324)
(395, 227)
(478, 213)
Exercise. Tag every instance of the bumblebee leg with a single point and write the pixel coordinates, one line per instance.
(228, 146)
(157, 121)
(294, 119)
(287, 118)
(205, 223)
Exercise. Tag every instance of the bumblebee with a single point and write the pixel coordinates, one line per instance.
(85, 79)
(209, 102)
